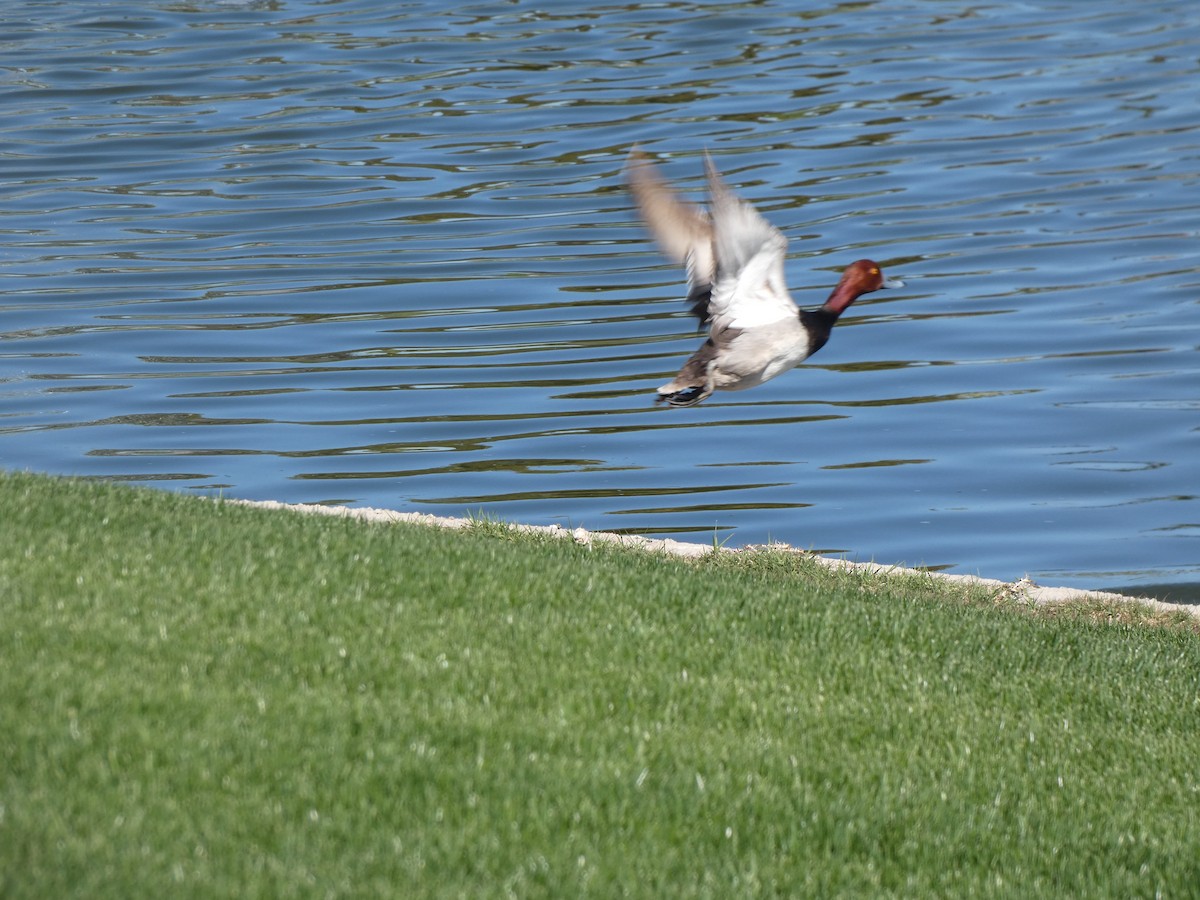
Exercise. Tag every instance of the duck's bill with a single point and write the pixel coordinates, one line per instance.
(892, 283)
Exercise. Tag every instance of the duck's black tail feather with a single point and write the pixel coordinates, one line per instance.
(689, 396)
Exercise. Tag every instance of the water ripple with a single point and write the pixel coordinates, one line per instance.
(364, 253)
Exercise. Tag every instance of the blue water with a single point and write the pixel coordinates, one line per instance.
(381, 254)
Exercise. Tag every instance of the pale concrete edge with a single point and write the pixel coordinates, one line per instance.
(1019, 590)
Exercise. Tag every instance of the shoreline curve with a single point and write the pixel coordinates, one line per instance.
(1023, 589)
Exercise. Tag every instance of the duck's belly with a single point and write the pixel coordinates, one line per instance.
(753, 359)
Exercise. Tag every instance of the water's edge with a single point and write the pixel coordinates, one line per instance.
(1023, 590)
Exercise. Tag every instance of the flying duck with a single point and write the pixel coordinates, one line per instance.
(734, 261)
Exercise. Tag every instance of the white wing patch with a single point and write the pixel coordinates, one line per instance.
(749, 291)
(756, 294)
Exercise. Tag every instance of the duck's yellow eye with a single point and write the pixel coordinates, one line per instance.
(874, 270)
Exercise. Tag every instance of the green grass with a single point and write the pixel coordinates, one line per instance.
(200, 699)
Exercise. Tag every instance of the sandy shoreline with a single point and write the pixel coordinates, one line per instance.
(1024, 589)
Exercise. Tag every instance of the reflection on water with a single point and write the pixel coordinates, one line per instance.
(358, 253)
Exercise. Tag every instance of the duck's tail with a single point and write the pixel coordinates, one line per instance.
(694, 381)
(688, 396)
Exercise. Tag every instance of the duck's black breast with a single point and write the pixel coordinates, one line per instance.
(818, 323)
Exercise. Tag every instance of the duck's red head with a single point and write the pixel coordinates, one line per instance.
(860, 278)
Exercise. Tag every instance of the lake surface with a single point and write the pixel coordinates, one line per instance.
(381, 254)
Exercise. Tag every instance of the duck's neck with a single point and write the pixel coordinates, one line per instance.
(842, 296)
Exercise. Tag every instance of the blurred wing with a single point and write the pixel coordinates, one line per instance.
(750, 289)
(683, 230)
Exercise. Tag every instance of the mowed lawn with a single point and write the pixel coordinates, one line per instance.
(200, 699)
